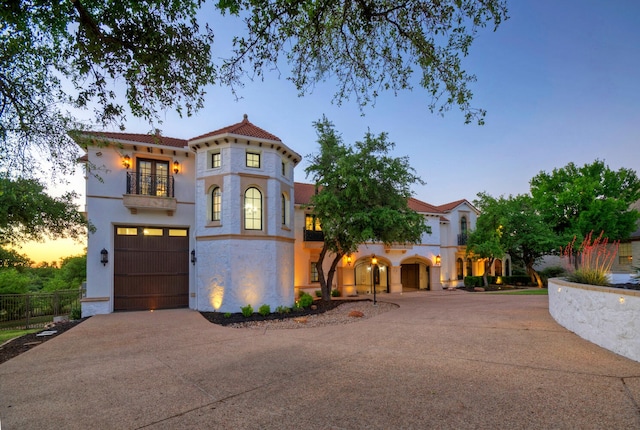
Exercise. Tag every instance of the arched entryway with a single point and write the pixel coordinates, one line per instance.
(368, 276)
(497, 268)
(415, 274)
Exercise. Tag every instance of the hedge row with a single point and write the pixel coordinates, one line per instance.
(477, 281)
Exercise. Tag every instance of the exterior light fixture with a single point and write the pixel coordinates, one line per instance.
(438, 260)
(104, 257)
(126, 161)
(374, 262)
(193, 257)
(176, 167)
(349, 260)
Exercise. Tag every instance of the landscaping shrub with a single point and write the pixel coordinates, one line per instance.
(227, 314)
(264, 310)
(318, 293)
(305, 300)
(76, 313)
(283, 310)
(474, 281)
(247, 311)
(335, 293)
(516, 280)
(552, 272)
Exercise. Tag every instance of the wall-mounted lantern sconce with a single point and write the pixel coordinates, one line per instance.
(349, 260)
(176, 167)
(104, 257)
(438, 260)
(193, 257)
(126, 161)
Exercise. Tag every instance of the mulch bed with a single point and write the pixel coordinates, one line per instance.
(318, 307)
(24, 343)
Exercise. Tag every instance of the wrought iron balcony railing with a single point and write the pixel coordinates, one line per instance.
(313, 236)
(462, 239)
(150, 185)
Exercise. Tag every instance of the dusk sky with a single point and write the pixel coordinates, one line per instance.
(560, 81)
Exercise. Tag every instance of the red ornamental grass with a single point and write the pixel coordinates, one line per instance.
(596, 258)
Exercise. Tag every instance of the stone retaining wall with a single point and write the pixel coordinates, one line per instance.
(608, 317)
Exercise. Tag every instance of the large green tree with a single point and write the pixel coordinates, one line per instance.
(28, 213)
(523, 233)
(146, 56)
(577, 200)
(570, 202)
(361, 196)
(485, 240)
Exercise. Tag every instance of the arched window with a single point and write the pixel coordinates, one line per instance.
(252, 209)
(460, 268)
(216, 204)
(497, 268)
(463, 225)
(285, 209)
(469, 267)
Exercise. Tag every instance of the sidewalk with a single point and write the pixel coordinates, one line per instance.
(445, 360)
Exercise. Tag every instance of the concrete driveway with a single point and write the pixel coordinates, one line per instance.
(442, 360)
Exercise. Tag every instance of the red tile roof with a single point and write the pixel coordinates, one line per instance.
(243, 128)
(153, 139)
(420, 206)
(303, 193)
(450, 206)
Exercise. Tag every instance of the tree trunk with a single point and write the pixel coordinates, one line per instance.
(535, 277)
(326, 291)
(487, 266)
(326, 282)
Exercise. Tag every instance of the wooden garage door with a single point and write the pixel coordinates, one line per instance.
(151, 268)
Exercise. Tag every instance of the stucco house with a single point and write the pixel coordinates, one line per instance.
(217, 222)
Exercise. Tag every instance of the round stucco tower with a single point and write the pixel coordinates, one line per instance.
(244, 219)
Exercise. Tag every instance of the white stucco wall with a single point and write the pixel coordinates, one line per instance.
(233, 273)
(106, 186)
(608, 317)
(236, 266)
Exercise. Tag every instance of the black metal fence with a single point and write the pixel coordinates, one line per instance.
(36, 310)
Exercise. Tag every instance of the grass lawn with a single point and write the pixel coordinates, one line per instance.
(529, 292)
(5, 335)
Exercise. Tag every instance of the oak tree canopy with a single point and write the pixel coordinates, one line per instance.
(142, 57)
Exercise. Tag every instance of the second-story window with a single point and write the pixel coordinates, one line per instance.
(253, 160)
(312, 223)
(216, 160)
(153, 178)
(216, 204)
(252, 209)
(285, 209)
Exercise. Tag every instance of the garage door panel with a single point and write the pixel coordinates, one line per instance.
(150, 272)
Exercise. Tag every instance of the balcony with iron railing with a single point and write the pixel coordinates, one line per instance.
(313, 235)
(150, 192)
(462, 239)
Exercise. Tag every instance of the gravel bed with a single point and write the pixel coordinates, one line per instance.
(337, 316)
